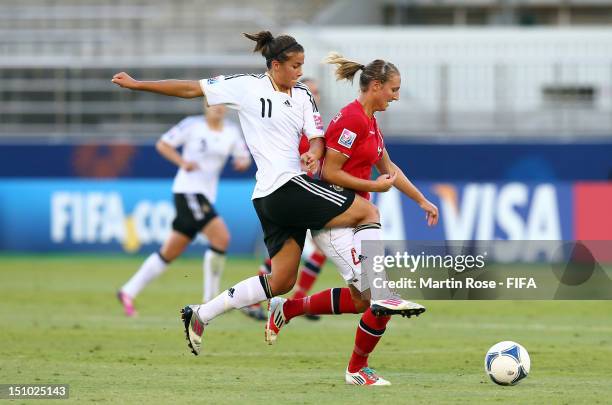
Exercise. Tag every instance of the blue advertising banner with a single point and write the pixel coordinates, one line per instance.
(135, 215)
(94, 216)
(482, 211)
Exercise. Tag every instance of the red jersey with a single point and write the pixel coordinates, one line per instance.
(357, 137)
(304, 144)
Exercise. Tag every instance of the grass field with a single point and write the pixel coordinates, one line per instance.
(61, 324)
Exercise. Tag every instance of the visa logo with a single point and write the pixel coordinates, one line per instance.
(487, 211)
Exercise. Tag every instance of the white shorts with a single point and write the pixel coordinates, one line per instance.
(337, 244)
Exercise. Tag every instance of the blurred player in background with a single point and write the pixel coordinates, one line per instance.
(207, 141)
(354, 145)
(313, 263)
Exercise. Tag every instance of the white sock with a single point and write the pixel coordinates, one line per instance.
(214, 263)
(372, 232)
(149, 271)
(369, 231)
(246, 292)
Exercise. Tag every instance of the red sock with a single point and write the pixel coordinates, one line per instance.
(304, 283)
(308, 274)
(369, 332)
(332, 301)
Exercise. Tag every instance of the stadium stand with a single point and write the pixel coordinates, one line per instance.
(502, 79)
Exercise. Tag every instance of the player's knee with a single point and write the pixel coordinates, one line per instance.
(282, 285)
(167, 256)
(281, 288)
(372, 214)
(220, 241)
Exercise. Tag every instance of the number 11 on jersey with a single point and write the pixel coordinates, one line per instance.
(263, 107)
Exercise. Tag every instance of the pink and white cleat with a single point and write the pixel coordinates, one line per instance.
(395, 305)
(365, 376)
(128, 304)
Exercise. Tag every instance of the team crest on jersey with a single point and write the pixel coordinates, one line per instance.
(347, 138)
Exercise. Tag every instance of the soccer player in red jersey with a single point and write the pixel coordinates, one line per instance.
(354, 145)
(315, 261)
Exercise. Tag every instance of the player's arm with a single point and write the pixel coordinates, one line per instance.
(170, 153)
(403, 184)
(332, 173)
(175, 88)
(310, 159)
(313, 130)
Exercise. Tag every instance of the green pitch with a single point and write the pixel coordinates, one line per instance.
(61, 323)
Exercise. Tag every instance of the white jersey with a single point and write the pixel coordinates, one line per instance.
(272, 123)
(209, 149)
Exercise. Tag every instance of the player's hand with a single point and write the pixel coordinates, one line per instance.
(385, 181)
(310, 162)
(189, 166)
(431, 212)
(241, 165)
(124, 80)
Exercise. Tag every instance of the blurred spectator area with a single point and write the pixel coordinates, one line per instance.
(468, 67)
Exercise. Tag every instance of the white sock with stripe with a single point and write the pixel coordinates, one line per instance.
(214, 263)
(246, 292)
(369, 231)
(372, 232)
(149, 271)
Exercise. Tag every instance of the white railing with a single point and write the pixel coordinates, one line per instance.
(478, 80)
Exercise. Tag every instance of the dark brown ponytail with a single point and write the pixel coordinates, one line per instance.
(274, 48)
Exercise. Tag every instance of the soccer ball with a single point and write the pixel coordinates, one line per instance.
(507, 363)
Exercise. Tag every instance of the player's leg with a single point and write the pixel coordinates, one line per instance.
(152, 268)
(285, 263)
(307, 275)
(310, 269)
(284, 244)
(369, 332)
(335, 244)
(360, 212)
(384, 301)
(185, 226)
(256, 311)
(284, 233)
(214, 258)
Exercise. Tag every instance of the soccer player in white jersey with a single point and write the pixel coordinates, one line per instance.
(274, 109)
(207, 141)
(313, 257)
